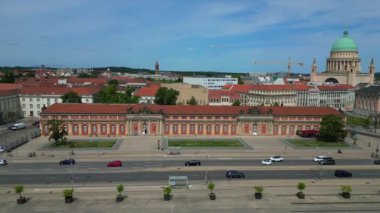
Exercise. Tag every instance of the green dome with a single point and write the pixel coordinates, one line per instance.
(344, 44)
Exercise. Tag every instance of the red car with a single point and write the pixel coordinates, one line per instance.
(115, 163)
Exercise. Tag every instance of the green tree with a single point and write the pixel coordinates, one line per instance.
(236, 103)
(240, 80)
(109, 94)
(165, 96)
(8, 77)
(71, 97)
(192, 101)
(113, 82)
(19, 189)
(87, 75)
(57, 130)
(332, 128)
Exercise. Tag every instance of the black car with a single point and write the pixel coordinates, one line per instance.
(69, 161)
(327, 161)
(193, 163)
(376, 161)
(342, 173)
(234, 174)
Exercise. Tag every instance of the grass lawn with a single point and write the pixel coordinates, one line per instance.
(85, 144)
(316, 143)
(204, 143)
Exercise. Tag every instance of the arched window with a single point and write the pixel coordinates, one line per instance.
(167, 129)
(192, 129)
(84, 129)
(200, 129)
(75, 129)
(183, 129)
(103, 129)
(233, 129)
(275, 130)
(217, 129)
(113, 129)
(94, 129)
(122, 129)
(175, 129)
(283, 129)
(208, 129)
(225, 129)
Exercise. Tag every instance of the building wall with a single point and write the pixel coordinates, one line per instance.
(104, 125)
(200, 93)
(210, 83)
(10, 109)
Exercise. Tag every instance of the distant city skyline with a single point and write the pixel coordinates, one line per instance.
(197, 35)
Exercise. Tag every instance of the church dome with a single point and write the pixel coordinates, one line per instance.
(344, 44)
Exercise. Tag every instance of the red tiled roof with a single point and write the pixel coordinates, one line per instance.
(147, 91)
(9, 89)
(76, 80)
(59, 90)
(184, 109)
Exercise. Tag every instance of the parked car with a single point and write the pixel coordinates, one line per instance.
(342, 173)
(327, 161)
(376, 161)
(17, 126)
(69, 161)
(115, 163)
(235, 174)
(3, 162)
(193, 163)
(266, 162)
(308, 133)
(276, 158)
(319, 158)
(1, 149)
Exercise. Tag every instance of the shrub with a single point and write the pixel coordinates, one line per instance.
(346, 189)
(301, 186)
(258, 189)
(19, 189)
(167, 190)
(120, 188)
(68, 193)
(211, 186)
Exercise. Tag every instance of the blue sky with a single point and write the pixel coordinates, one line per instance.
(191, 35)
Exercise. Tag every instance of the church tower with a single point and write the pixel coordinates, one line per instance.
(313, 75)
(156, 70)
(371, 72)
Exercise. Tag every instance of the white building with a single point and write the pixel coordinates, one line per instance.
(210, 83)
(33, 99)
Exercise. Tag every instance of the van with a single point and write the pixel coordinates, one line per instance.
(17, 126)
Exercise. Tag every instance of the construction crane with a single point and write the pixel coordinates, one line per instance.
(289, 62)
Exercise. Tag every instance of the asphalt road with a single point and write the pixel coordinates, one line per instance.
(84, 178)
(173, 163)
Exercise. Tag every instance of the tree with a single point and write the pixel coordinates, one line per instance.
(236, 103)
(8, 77)
(240, 80)
(71, 97)
(109, 94)
(19, 189)
(120, 189)
(332, 128)
(113, 82)
(165, 96)
(192, 101)
(57, 130)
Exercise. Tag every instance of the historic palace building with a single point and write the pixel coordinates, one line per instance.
(343, 65)
(125, 119)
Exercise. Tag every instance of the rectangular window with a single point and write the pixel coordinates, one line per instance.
(31, 106)
(23, 106)
(38, 106)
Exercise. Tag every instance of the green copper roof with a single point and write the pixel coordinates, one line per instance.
(344, 44)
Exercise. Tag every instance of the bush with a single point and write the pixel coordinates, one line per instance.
(120, 188)
(211, 186)
(19, 189)
(167, 190)
(346, 189)
(258, 189)
(68, 193)
(301, 186)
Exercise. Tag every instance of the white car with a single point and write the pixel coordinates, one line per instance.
(3, 162)
(266, 162)
(276, 158)
(319, 158)
(1, 149)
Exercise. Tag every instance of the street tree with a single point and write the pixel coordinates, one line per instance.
(192, 101)
(332, 128)
(71, 97)
(57, 130)
(113, 82)
(165, 96)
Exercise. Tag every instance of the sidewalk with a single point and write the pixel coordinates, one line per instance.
(232, 196)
